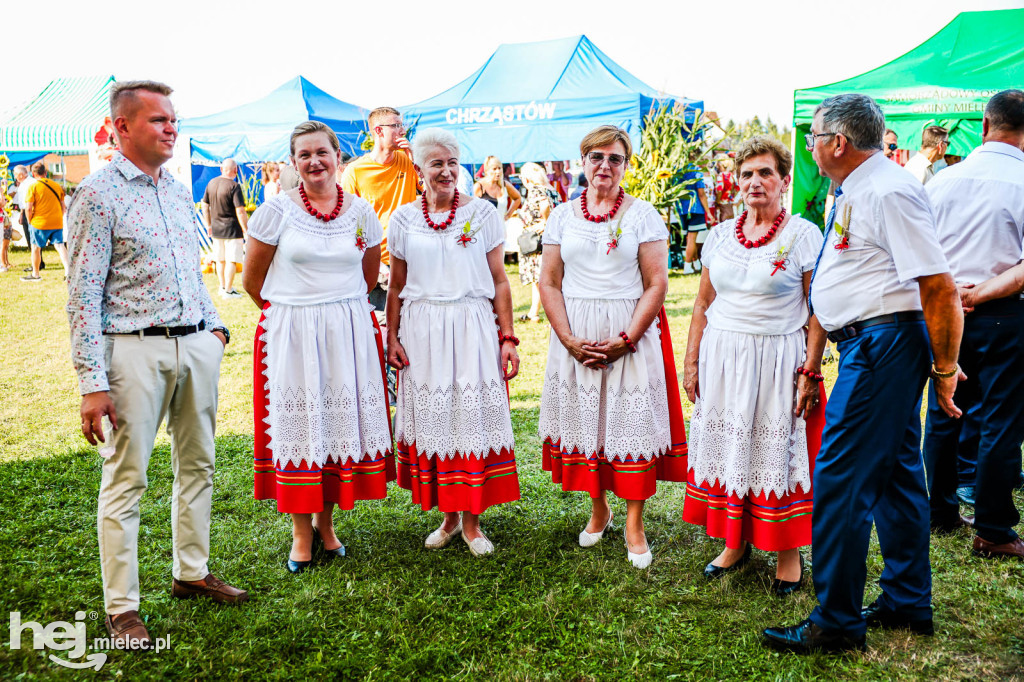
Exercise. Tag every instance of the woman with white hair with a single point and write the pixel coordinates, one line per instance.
(539, 199)
(448, 284)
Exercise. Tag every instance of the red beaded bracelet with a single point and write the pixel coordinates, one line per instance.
(629, 344)
(502, 338)
(811, 374)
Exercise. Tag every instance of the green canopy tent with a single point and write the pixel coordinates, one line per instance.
(945, 81)
(62, 119)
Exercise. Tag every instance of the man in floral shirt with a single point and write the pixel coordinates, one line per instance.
(146, 343)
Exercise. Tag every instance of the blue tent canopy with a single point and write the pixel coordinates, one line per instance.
(259, 131)
(535, 101)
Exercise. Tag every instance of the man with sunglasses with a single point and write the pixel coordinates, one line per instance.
(890, 143)
(883, 291)
(386, 178)
(934, 142)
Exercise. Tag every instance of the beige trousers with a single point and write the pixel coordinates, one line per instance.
(151, 378)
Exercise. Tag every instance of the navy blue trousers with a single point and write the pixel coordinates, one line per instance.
(949, 445)
(869, 468)
(992, 357)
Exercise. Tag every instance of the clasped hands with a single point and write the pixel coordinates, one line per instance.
(595, 354)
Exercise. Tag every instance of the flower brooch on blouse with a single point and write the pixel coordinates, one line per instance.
(360, 239)
(614, 235)
(782, 256)
(466, 237)
(842, 229)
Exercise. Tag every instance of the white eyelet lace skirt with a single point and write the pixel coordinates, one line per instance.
(452, 396)
(744, 433)
(324, 383)
(619, 413)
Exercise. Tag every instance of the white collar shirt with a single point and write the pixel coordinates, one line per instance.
(890, 241)
(979, 212)
(921, 168)
(134, 255)
(19, 196)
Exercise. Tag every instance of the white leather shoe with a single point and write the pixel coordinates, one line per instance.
(440, 538)
(591, 539)
(640, 560)
(480, 546)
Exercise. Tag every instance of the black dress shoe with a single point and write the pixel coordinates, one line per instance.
(808, 637)
(297, 566)
(950, 528)
(783, 588)
(878, 617)
(711, 571)
(336, 553)
(319, 549)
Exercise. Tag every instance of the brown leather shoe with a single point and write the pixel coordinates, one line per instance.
(990, 550)
(210, 586)
(127, 628)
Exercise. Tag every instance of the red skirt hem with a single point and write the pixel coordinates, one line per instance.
(307, 490)
(593, 473)
(460, 483)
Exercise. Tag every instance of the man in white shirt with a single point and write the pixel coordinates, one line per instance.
(979, 211)
(934, 142)
(883, 292)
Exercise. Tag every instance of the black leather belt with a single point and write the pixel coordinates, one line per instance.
(171, 332)
(855, 329)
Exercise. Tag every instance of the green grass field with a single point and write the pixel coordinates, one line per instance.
(539, 608)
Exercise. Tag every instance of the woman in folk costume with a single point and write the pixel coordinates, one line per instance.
(610, 414)
(754, 374)
(323, 437)
(448, 284)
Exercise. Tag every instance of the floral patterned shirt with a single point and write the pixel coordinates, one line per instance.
(134, 256)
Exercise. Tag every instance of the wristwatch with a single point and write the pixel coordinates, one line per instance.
(224, 331)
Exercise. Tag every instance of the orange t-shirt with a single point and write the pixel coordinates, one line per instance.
(385, 187)
(47, 199)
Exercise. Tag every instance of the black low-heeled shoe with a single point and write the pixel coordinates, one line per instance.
(297, 567)
(782, 588)
(711, 571)
(318, 547)
(336, 553)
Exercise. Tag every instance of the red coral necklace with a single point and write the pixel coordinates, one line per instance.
(451, 213)
(317, 214)
(607, 216)
(763, 240)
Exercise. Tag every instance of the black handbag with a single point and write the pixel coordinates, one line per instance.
(529, 242)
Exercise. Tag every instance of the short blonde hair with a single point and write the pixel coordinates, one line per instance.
(123, 97)
(380, 113)
(763, 144)
(533, 174)
(604, 136)
(310, 127)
